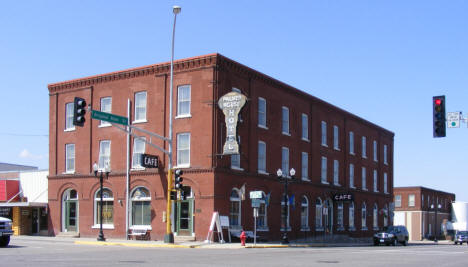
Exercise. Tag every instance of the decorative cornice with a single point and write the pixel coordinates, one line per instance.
(155, 69)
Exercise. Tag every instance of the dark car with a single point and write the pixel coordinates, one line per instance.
(461, 237)
(392, 235)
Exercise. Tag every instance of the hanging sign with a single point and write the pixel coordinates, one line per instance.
(149, 161)
(343, 197)
(231, 104)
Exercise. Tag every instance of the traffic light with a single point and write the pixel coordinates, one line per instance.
(178, 179)
(79, 111)
(173, 195)
(438, 109)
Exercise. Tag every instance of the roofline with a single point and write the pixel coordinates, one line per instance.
(213, 59)
(421, 187)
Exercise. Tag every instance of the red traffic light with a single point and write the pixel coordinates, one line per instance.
(438, 101)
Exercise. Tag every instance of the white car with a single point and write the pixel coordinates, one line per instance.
(5, 231)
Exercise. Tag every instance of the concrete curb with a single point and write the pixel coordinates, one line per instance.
(100, 243)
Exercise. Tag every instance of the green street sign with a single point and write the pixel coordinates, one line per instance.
(103, 116)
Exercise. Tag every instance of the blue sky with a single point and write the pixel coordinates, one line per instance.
(381, 60)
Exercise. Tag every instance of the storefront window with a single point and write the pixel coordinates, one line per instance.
(339, 219)
(305, 214)
(107, 207)
(234, 211)
(318, 214)
(141, 207)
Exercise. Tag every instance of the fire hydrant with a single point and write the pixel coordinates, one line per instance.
(242, 238)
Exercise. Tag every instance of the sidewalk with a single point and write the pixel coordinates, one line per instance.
(197, 244)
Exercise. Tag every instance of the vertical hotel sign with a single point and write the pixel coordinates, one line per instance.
(231, 104)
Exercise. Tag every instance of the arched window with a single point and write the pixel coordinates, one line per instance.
(304, 214)
(351, 216)
(141, 207)
(318, 214)
(235, 209)
(375, 217)
(287, 213)
(107, 207)
(363, 216)
(70, 211)
(339, 217)
(262, 213)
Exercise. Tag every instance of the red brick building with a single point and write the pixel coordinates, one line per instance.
(420, 209)
(333, 152)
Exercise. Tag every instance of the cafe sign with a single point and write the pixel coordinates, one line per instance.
(343, 197)
(231, 104)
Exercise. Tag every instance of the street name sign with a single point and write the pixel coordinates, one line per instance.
(453, 119)
(104, 116)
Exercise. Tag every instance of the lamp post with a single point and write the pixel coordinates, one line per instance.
(435, 207)
(169, 236)
(101, 177)
(279, 173)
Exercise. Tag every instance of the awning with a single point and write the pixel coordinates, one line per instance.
(24, 204)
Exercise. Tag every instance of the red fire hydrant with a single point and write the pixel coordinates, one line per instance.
(242, 238)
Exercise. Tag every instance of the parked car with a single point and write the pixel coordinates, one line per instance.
(391, 235)
(461, 237)
(5, 231)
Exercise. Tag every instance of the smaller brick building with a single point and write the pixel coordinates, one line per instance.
(420, 208)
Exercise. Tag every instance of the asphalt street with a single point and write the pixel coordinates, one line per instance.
(53, 252)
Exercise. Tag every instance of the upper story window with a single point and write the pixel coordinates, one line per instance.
(351, 143)
(335, 137)
(69, 117)
(305, 166)
(305, 127)
(183, 101)
(106, 106)
(411, 200)
(285, 160)
(364, 178)
(138, 149)
(261, 157)
(285, 120)
(324, 133)
(324, 171)
(336, 172)
(375, 150)
(351, 175)
(375, 181)
(385, 180)
(235, 161)
(262, 112)
(385, 151)
(140, 107)
(70, 158)
(183, 149)
(364, 148)
(398, 201)
(104, 154)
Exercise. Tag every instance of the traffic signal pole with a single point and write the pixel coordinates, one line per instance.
(169, 237)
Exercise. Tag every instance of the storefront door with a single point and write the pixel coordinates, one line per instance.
(71, 216)
(35, 221)
(184, 217)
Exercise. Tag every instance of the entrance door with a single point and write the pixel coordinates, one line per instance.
(70, 216)
(35, 221)
(329, 216)
(184, 217)
(70, 211)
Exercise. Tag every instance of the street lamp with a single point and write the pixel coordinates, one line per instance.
(279, 173)
(435, 219)
(101, 172)
(169, 237)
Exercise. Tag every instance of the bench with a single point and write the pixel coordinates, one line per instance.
(139, 234)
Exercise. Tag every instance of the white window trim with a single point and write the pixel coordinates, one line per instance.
(375, 147)
(104, 226)
(323, 134)
(336, 172)
(385, 155)
(135, 121)
(351, 143)
(324, 180)
(364, 147)
(184, 115)
(306, 176)
(258, 124)
(336, 145)
(258, 170)
(103, 124)
(66, 159)
(283, 108)
(183, 165)
(72, 126)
